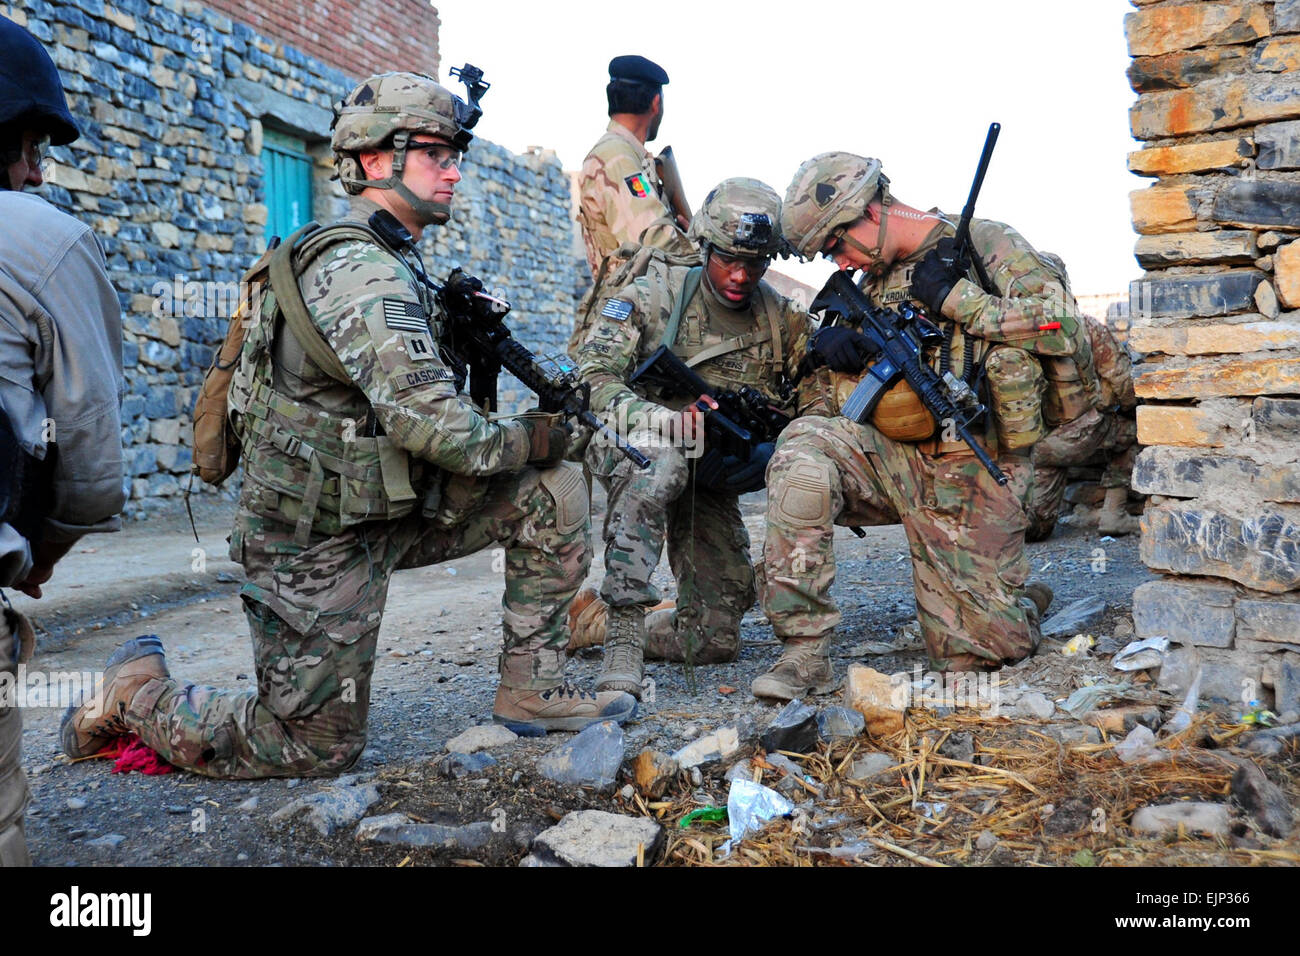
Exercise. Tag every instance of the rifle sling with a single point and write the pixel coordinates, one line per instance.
(772, 333)
(288, 295)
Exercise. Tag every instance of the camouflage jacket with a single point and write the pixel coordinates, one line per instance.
(630, 325)
(383, 325)
(1113, 364)
(619, 199)
(1028, 295)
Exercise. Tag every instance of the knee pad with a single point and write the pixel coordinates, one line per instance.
(567, 488)
(803, 494)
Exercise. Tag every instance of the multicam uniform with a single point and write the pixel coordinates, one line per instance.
(708, 547)
(404, 474)
(620, 198)
(1105, 434)
(965, 533)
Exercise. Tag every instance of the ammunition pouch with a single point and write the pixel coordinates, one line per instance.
(1015, 383)
(900, 414)
(1067, 394)
(309, 468)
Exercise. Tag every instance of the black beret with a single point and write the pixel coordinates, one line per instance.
(638, 69)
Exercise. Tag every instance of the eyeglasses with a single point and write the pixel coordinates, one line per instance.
(36, 150)
(440, 154)
(751, 264)
(834, 242)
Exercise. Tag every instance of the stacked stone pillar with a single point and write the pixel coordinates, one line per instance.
(1217, 314)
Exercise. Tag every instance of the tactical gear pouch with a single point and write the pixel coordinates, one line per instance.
(901, 415)
(1066, 396)
(1016, 385)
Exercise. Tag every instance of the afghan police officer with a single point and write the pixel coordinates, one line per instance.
(965, 532)
(620, 196)
(60, 379)
(362, 458)
(735, 331)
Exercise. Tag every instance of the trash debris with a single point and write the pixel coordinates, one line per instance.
(1139, 746)
(871, 649)
(1208, 818)
(749, 806)
(1140, 655)
(877, 697)
(1258, 715)
(1078, 645)
(1084, 700)
(1182, 718)
(707, 814)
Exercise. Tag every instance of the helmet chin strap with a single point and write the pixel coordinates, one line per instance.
(876, 252)
(426, 212)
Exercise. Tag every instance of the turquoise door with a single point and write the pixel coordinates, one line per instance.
(287, 170)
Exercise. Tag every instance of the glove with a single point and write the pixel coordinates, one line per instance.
(730, 475)
(547, 442)
(934, 278)
(842, 349)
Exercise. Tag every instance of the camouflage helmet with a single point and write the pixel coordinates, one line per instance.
(740, 217)
(385, 111)
(828, 191)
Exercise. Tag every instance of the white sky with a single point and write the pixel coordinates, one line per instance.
(756, 88)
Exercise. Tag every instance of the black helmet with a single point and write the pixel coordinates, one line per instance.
(31, 92)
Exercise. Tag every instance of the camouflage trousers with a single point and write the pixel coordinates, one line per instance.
(965, 533)
(708, 549)
(1107, 439)
(314, 615)
(13, 782)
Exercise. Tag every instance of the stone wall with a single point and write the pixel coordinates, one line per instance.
(1218, 312)
(173, 100)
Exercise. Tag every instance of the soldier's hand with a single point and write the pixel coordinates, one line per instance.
(692, 424)
(547, 442)
(935, 275)
(841, 349)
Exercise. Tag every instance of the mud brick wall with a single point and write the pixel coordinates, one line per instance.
(1218, 314)
(174, 99)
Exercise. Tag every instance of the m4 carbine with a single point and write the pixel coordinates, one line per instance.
(743, 419)
(478, 335)
(898, 340)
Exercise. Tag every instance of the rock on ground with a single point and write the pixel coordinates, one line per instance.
(709, 749)
(1075, 617)
(838, 722)
(596, 838)
(331, 808)
(875, 696)
(591, 759)
(1262, 799)
(397, 828)
(868, 766)
(654, 772)
(1211, 819)
(794, 728)
(482, 737)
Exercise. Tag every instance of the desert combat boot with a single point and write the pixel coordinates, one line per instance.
(589, 613)
(91, 725)
(533, 697)
(624, 665)
(804, 667)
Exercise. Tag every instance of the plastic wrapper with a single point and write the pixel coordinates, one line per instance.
(750, 805)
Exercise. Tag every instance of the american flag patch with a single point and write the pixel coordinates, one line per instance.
(405, 316)
(617, 309)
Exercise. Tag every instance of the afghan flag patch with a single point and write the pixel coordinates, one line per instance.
(639, 185)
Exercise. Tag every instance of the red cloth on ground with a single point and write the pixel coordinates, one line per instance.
(131, 753)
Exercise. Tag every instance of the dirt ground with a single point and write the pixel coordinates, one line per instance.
(435, 677)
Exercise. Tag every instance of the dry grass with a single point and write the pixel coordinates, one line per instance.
(1046, 803)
